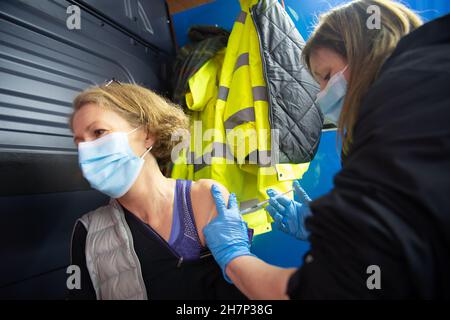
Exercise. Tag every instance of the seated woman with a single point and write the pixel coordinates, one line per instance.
(147, 243)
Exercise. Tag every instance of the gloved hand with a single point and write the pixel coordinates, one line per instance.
(227, 234)
(289, 215)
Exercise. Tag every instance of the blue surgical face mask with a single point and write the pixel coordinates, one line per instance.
(331, 99)
(109, 164)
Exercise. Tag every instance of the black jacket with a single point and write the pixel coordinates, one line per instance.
(391, 203)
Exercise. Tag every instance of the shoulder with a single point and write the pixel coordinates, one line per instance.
(203, 206)
(204, 185)
(100, 216)
(201, 194)
(78, 242)
(79, 231)
(90, 222)
(81, 226)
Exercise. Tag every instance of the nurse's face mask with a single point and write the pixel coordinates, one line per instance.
(331, 99)
(109, 164)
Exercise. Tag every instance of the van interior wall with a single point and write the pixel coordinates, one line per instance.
(44, 64)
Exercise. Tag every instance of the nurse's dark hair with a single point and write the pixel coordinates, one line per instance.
(344, 30)
(140, 106)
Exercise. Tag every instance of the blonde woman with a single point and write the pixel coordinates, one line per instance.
(147, 243)
(383, 231)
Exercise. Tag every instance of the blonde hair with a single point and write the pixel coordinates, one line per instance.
(344, 30)
(139, 107)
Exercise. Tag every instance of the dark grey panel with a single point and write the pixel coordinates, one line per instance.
(24, 173)
(48, 286)
(36, 230)
(141, 17)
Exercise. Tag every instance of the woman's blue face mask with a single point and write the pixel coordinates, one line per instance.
(109, 164)
(331, 99)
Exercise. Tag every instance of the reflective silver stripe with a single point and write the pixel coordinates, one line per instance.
(219, 150)
(241, 17)
(199, 166)
(242, 60)
(223, 93)
(259, 93)
(240, 117)
(261, 158)
(190, 157)
(248, 204)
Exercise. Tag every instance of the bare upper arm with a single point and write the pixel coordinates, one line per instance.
(203, 203)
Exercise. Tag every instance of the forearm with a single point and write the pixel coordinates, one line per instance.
(259, 280)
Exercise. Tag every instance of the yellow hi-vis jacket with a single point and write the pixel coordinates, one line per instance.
(230, 138)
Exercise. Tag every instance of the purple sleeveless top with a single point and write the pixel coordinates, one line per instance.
(184, 238)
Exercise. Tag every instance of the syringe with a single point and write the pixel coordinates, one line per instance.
(261, 204)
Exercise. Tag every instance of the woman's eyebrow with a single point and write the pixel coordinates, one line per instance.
(87, 129)
(317, 71)
(91, 125)
(317, 74)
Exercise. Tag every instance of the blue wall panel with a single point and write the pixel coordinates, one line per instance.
(280, 249)
(302, 12)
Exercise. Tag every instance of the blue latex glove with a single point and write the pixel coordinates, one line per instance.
(289, 215)
(227, 234)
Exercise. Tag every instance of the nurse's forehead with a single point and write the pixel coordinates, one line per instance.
(326, 55)
(322, 58)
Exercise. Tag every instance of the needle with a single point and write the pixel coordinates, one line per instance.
(261, 204)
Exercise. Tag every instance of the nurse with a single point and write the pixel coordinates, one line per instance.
(383, 231)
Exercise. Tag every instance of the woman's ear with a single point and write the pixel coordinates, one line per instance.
(347, 74)
(149, 140)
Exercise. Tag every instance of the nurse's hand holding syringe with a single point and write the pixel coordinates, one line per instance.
(289, 215)
(261, 204)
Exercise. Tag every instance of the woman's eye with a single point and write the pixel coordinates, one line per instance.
(99, 132)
